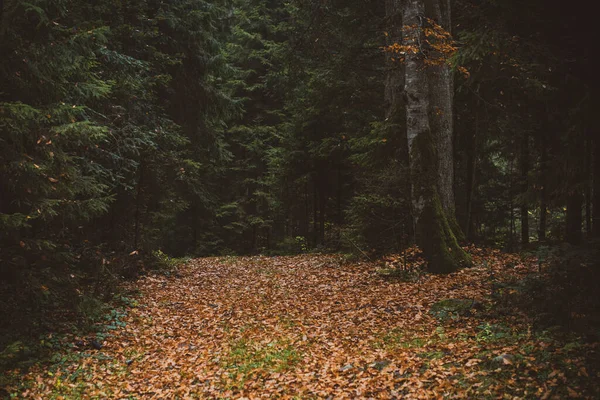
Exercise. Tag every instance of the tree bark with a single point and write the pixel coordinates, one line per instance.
(322, 206)
(441, 114)
(543, 192)
(306, 225)
(588, 182)
(511, 205)
(441, 96)
(574, 218)
(427, 128)
(394, 77)
(470, 181)
(315, 213)
(138, 207)
(596, 188)
(524, 188)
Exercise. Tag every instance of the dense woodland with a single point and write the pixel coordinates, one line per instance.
(136, 132)
(204, 128)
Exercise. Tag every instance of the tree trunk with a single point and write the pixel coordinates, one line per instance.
(441, 116)
(596, 187)
(339, 211)
(543, 193)
(441, 91)
(394, 96)
(315, 213)
(574, 218)
(322, 206)
(511, 205)
(524, 188)
(470, 184)
(588, 182)
(138, 207)
(426, 129)
(306, 224)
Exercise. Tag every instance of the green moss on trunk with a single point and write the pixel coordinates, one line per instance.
(439, 244)
(455, 227)
(435, 233)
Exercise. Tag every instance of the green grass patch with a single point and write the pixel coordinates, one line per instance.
(396, 339)
(247, 357)
(432, 355)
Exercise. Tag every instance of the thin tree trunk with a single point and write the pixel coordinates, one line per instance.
(339, 218)
(394, 77)
(471, 167)
(574, 217)
(512, 210)
(543, 192)
(315, 213)
(394, 94)
(588, 182)
(524, 188)
(596, 187)
(138, 207)
(322, 205)
(306, 225)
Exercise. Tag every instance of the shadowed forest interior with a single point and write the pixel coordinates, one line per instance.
(443, 154)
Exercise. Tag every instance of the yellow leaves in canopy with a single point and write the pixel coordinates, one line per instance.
(432, 41)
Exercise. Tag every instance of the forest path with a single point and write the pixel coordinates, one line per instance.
(308, 326)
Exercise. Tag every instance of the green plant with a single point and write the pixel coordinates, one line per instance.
(165, 262)
(91, 308)
(492, 332)
(301, 243)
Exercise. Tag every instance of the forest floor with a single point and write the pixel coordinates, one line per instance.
(316, 326)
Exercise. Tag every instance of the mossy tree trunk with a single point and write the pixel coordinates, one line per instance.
(429, 136)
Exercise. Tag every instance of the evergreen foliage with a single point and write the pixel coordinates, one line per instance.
(200, 127)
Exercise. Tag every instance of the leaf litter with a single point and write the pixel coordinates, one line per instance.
(315, 326)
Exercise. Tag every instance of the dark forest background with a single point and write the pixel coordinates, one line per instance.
(136, 131)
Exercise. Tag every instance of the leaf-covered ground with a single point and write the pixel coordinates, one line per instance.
(313, 326)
